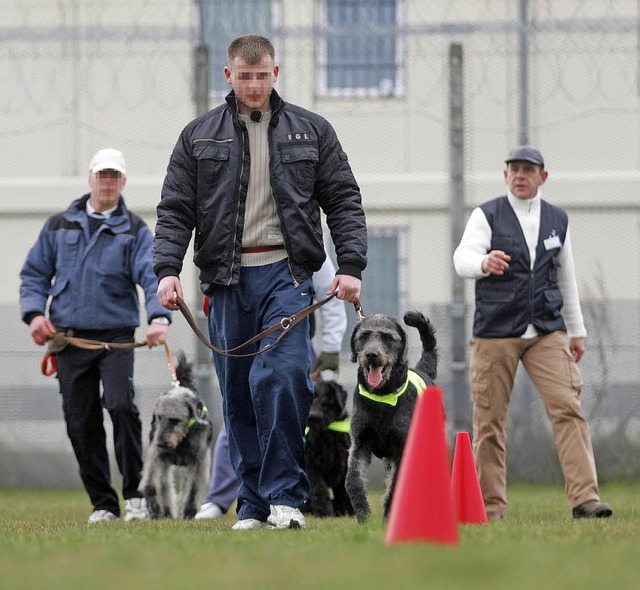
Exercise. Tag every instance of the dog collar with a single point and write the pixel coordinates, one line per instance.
(392, 398)
(337, 426)
(194, 421)
(340, 426)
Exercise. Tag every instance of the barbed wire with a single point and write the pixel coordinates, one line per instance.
(584, 52)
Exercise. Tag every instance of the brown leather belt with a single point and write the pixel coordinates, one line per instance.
(259, 249)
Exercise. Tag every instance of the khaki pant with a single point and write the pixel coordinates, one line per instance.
(554, 373)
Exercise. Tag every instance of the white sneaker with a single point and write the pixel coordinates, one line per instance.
(249, 524)
(135, 509)
(101, 516)
(209, 510)
(286, 517)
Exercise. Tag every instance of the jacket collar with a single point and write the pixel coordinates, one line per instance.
(118, 222)
(276, 103)
(525, 205)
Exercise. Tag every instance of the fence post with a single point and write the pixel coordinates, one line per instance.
(458, 307)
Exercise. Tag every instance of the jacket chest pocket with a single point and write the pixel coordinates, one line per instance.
(213, 161)
(69, 245)
(114, 253)
(299, 166)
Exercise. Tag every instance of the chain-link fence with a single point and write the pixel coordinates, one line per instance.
(79, 75)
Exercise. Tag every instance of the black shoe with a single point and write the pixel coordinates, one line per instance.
(592, 509)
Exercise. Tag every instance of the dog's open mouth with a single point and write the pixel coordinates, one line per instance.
(375, 375)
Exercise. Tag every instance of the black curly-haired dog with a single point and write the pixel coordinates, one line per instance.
(177, 464)
(327, 451)
(384, 399)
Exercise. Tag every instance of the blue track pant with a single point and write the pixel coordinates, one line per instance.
(266, 398)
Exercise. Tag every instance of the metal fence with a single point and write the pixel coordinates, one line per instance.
(561, 74)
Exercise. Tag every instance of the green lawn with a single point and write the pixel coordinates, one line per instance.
(46, 543)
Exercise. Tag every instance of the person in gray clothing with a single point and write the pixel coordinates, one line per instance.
(87, 263)
(252, 178)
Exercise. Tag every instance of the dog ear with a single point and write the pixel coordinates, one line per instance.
(196, 409)
(192, 404)
(199, 409)
(403, 336)
(341, 394)
(405, 347)
(153, 428)
(352, 342)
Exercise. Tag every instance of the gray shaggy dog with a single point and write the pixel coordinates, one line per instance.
(177, 465)
(384, 399)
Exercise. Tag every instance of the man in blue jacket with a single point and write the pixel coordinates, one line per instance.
(86, 264)
(252, 177)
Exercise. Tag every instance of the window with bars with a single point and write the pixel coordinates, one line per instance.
(223, 21)
(359, 50)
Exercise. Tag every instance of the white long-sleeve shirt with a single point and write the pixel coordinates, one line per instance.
(476, 244)
(333, 316)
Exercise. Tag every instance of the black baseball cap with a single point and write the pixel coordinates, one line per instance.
(526, 153)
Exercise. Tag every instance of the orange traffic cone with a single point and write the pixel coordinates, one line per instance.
(465, 486)
(421, 509)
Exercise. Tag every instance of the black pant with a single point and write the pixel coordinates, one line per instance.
(80, 372)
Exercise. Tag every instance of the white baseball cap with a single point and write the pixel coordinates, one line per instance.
(108, 159)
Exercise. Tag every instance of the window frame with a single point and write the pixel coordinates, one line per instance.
(371, 280)
(322, 65)
(275, 9)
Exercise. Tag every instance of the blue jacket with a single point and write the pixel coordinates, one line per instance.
(90, 280)
(506, 304)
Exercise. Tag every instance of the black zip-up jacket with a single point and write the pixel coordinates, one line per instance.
(206, 187)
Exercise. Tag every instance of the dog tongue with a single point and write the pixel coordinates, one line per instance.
(375, 376)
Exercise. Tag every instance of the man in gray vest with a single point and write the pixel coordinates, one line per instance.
(518, 250)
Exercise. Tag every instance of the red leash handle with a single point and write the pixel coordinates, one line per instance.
(49, 365)
(205, 306)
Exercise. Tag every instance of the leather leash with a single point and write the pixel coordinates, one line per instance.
(359, 310)
(49, 365)
(285, 324)
(95, 344)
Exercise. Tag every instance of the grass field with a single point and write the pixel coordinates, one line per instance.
(46, 543)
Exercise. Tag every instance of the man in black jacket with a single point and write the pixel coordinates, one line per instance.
(252, 177)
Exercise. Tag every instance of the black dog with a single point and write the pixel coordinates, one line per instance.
(177, 466)
(327, 451)
(384, 399)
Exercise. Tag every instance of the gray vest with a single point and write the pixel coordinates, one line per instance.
(506, 304)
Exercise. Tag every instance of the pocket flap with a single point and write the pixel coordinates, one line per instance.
(553, 295)
(211, 151)
(299, 154)
(71, 237)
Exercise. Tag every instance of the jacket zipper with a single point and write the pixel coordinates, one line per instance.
(229, 140)
(284, 236)
(235, 226)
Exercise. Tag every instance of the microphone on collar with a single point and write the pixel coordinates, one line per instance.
(255, 116)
